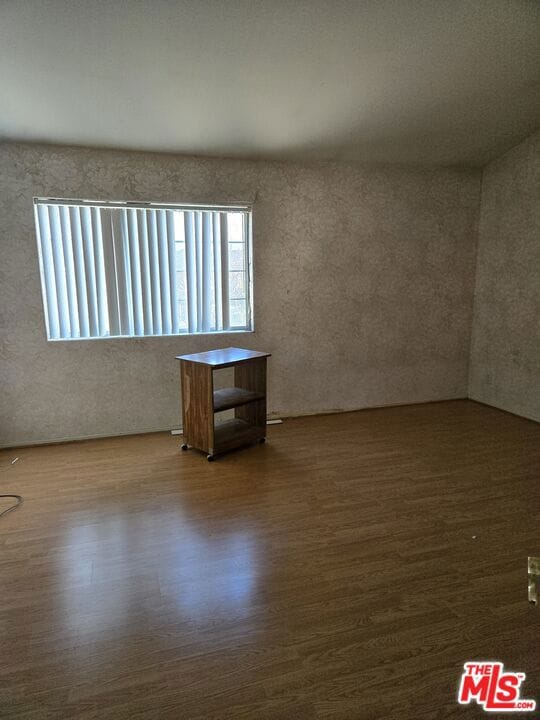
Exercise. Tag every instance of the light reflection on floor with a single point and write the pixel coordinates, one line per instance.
(106, 570)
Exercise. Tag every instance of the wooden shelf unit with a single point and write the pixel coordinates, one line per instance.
(200, 401)
(229, 398)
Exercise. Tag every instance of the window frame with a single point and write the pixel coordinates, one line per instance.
(246, 208)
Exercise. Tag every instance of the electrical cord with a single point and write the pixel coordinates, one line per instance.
(19, 502)
(18, 498)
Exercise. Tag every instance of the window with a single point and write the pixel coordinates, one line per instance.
(130, 270)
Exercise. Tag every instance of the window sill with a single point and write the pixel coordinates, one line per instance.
(151, 337)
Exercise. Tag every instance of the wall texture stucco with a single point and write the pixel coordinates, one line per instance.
(363, 289)
(505, 350)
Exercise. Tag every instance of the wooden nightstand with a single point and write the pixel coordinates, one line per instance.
(200, 401)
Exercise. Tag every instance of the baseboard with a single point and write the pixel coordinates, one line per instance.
(338, 411)
(504, 410)
(334, 411)
(80, 438)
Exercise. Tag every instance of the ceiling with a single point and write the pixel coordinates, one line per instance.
(452, 82)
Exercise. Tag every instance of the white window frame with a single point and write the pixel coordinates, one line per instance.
(244, 208)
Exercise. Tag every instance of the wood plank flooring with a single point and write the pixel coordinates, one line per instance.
(329, 574)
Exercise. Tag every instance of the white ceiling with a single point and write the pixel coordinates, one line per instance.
(404, 81)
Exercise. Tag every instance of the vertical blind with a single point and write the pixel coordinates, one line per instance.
(114, 270)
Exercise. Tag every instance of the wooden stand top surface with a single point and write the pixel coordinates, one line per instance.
(224, 357)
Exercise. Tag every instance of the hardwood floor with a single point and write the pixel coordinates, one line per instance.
(346, 569)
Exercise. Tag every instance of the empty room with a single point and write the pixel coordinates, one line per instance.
(269, 359)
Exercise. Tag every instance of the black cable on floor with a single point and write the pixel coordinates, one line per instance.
(19, 502)
(18, 498)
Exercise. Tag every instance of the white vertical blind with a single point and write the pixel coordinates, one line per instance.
(154, 271)
(50, 301)
(135, 273)
(123, 271)
(146, 282)
(191, 270)
(216, 234)
(59, 272)
(111, 270)
(88, 249)
(170, 239)
(80, 271)
(165, 278)
(101, 282)
(111, 285)
(71, 278)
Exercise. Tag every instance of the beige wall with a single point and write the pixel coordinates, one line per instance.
(363, 289)
(505, 351)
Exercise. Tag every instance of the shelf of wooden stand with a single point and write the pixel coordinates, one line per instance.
(235, 433)
(228, 398)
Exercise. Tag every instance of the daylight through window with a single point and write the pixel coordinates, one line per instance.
(120, 269)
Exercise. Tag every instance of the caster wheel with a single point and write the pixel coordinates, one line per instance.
(210, 458)
(262, 440)
(184, 447)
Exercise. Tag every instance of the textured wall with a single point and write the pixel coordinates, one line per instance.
(505, 354)
(363, 289)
